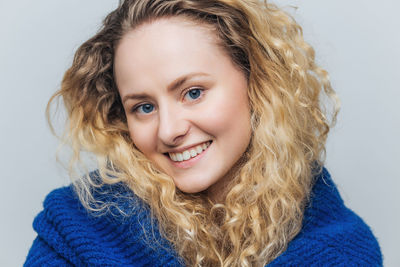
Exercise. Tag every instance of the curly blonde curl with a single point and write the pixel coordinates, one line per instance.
(263, 209)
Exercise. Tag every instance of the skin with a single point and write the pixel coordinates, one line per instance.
(154, 55)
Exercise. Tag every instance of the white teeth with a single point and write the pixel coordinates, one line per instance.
(173, 156)
(193, 152)
(179, 156)
(199, 149)
(186, 155)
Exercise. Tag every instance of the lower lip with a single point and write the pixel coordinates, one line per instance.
(190, 162)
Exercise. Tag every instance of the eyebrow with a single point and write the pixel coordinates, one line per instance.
(171, 87)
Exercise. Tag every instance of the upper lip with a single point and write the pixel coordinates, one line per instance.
(181, 149)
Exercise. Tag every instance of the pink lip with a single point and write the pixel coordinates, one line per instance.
(190, 162)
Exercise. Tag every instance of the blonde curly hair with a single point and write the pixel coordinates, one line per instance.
(264, 206)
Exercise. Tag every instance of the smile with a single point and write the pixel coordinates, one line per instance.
(190, 153)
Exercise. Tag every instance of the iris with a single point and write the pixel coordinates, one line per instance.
(146, 108)
(194, 93)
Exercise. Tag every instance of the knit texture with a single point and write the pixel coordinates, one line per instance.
(332, 235)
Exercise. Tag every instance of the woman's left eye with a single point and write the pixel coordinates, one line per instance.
(194, 93)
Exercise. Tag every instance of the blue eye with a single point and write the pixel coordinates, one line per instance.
(194, 93)
(144, 108)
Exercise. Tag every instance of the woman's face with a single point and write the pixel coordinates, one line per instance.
(186, 103)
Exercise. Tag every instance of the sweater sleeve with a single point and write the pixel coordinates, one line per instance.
(69, 235)
(42, 255)
(332, 234)
(344, 248)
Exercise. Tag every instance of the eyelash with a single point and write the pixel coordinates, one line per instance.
(136, 108)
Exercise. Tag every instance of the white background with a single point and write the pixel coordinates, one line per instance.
(356, 41)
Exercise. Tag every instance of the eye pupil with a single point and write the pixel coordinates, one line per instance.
(147, 108)
(195, 93)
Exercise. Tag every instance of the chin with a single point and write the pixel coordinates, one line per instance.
(192, 188)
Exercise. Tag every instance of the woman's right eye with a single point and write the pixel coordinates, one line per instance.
(143, 108)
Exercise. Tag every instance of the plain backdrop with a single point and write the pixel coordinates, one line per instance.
(357, 41)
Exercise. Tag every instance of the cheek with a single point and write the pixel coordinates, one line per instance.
(142, 137)
(228, 114)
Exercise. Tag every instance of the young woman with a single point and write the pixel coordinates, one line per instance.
(209, 133)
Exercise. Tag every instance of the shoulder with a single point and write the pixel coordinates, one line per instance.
(82, 238)
(332, 234)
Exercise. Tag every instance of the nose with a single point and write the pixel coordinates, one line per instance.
(173, 127)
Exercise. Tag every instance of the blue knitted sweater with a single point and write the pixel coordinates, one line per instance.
(332, 235)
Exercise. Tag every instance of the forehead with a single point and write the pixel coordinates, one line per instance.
(171, 23)
(165, 35)
(167, 48)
